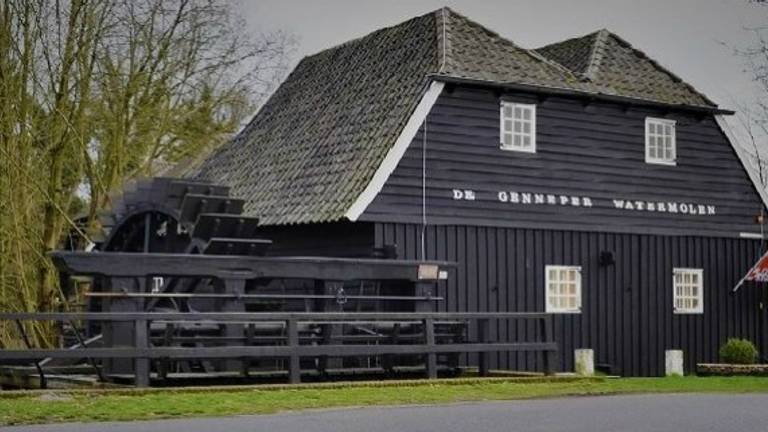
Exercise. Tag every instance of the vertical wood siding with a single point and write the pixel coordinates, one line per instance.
(626, 312)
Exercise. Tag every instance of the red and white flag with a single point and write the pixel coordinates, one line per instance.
(758, 272)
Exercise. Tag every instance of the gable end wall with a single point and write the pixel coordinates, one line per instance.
(593, 151)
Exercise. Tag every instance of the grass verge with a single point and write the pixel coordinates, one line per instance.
(87, 406)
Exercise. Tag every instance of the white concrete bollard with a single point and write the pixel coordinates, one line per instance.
(584, 361)
(673, 362)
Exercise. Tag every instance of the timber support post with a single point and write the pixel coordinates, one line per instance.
(429, 341)
(547, 334)
(294, 361)
(141, 364)
(483, 333)
(334, 289)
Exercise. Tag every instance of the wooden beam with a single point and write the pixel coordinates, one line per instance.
(119, 264)
(267, 316)
(272, 351)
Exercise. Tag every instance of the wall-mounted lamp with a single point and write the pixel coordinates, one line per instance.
(607, 259)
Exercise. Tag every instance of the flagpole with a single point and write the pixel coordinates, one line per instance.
(741, 282)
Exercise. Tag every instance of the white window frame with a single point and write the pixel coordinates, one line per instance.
(672, 136)
(547, 281)
(503, 132)
(699, 273)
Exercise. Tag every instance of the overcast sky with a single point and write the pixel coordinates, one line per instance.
(693, 38)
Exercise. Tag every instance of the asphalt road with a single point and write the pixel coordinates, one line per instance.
(647, 413)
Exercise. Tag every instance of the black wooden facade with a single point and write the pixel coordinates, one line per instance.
(585, 149)
(394, 139)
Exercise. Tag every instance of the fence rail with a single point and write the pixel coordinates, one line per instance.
(290, 346)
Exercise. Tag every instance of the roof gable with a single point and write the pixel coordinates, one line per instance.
(616, 68)
(313, 147)
(473, 51)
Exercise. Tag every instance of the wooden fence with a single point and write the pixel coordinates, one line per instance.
(291, 346)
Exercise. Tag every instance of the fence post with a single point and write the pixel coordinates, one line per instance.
(429, 340)
(141, 364)
(483, 332)
(164, 363)
(294, 363)
(550, 357)
(231, 330)
(250, 335)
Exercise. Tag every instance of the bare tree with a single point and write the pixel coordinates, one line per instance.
(95, 91)
(175, 82)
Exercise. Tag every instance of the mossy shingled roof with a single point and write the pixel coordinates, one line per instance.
(311, 150)
(614, 67)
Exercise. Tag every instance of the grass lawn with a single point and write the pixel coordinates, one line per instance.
(85, 406)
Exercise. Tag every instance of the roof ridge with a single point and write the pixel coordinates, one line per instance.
(596, 52)
(442, 35)
(527, 51)
(369, 34)
(658, 65)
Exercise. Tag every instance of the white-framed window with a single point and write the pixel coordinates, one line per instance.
(563, 289)
(518, 127)
(660, 143)
(688, 290)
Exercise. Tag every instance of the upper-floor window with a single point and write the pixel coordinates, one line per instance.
(563, 284)
(660, 141)
(688, 290)
(518, 127)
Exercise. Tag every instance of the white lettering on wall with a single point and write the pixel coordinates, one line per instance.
(535, 198)
(665, 207)
(463, 194)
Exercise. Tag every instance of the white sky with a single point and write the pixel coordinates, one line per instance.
(693, 38)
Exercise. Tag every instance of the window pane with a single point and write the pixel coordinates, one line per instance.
(688, 291)
(527, 113)
(518, 141)
(526, 141)
(518, 126)
(507, 111)
(518, 112)
(527, 127)
(660, 140)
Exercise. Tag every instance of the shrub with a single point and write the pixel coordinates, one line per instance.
(738, 351)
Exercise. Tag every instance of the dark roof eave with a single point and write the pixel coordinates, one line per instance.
(579, 94)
